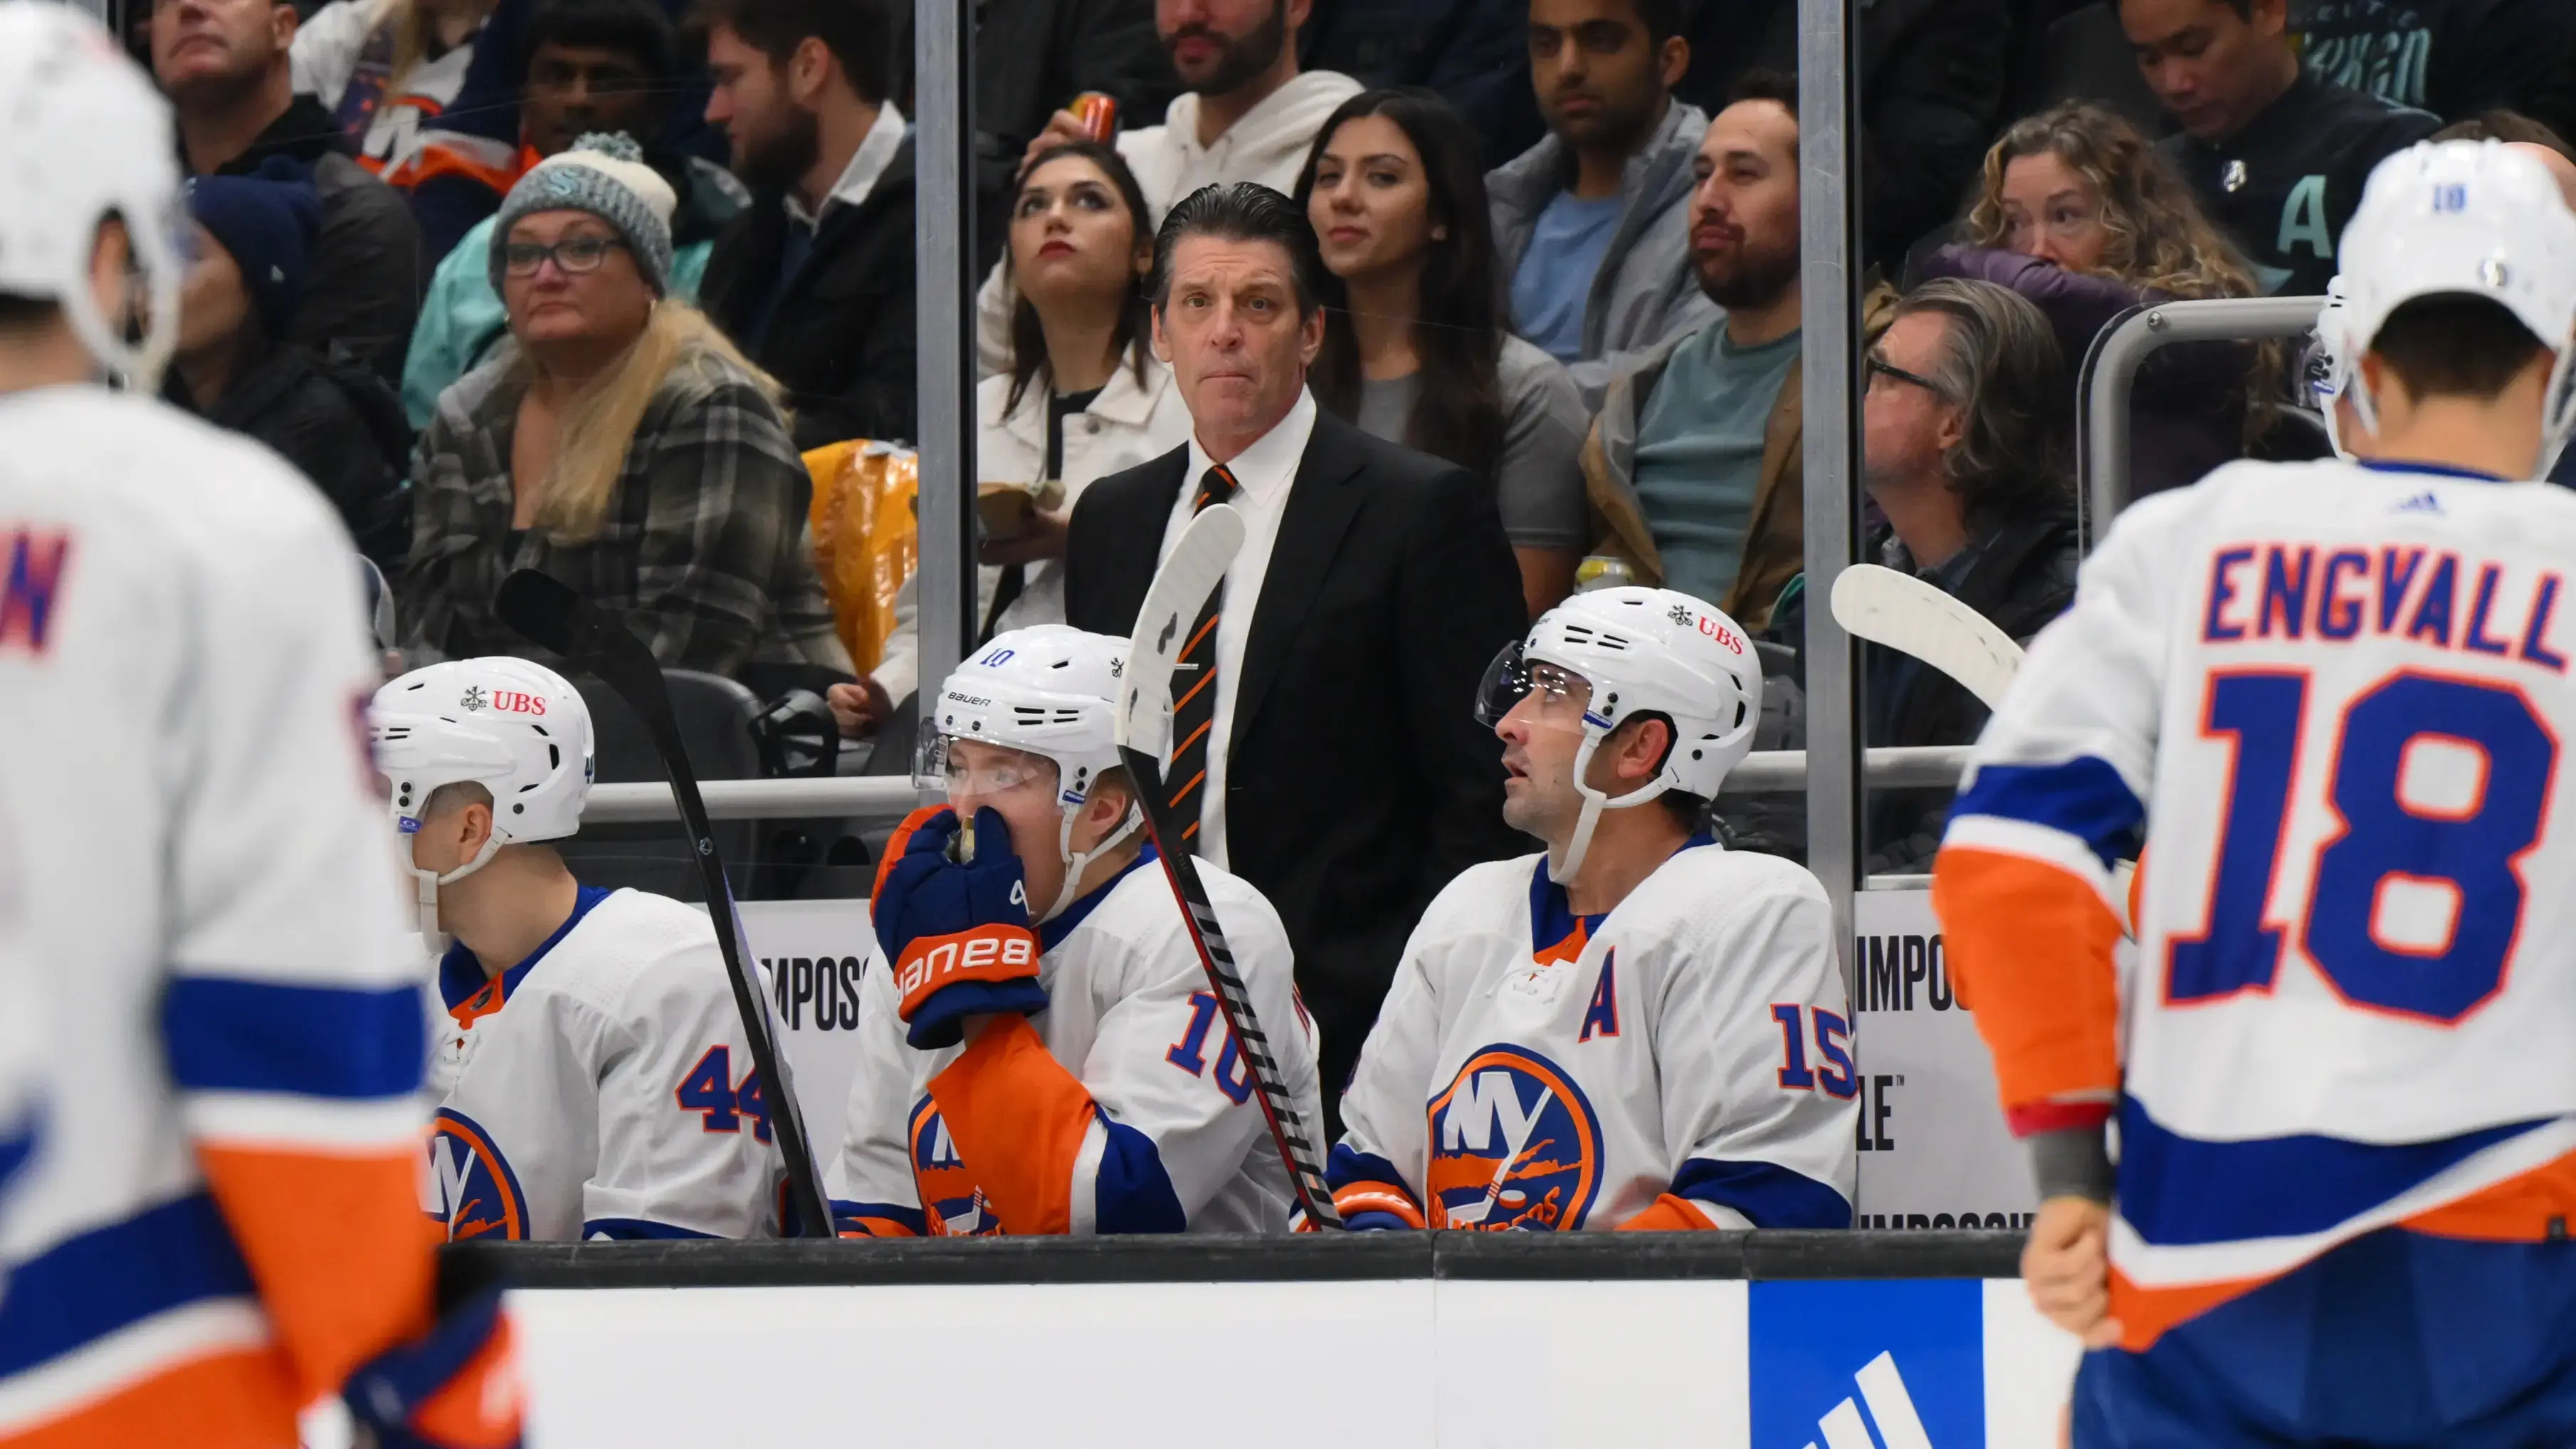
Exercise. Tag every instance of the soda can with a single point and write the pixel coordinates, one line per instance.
(1098, 112)
(1602, 571)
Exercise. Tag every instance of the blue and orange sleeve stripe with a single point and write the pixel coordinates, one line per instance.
(2021, 887)
(1369, 1192)
(303, 1102)
(1018, 1119)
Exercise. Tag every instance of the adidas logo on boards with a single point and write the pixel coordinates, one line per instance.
(1883, 1389)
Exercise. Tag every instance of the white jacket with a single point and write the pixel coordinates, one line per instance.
(1126, 425)
(1267, 145)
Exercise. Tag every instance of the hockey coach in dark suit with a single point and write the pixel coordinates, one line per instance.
(1325, 744)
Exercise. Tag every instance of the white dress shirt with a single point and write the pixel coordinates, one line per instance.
(1263, 474)
(867, 165)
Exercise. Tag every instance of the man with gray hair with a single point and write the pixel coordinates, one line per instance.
(1966, 438)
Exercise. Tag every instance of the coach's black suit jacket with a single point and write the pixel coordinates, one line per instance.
(1358, 781)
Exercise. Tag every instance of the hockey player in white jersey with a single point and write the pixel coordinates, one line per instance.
(2338, 693)
(1043, 1053)
(593, 1075)
(1637, 1028)
(223, 1225)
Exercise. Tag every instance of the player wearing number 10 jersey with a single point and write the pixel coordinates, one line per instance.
(2339, 694)
(1043, 1054)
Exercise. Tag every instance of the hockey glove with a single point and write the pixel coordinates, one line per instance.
(455, 1387)
(957, 931)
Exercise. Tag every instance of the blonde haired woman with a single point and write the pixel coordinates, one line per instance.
(2079, 213)
(385, 68)
(619, 443)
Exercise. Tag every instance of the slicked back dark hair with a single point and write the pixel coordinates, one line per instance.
(1662, 18)
(1242, 211)
(631, 27)
(859, 33)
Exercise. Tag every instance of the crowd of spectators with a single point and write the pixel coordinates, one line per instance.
(571, 284)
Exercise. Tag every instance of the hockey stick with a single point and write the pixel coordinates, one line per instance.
(1181, 587)
(546, 610)
(1907, 614)
(1910, 616)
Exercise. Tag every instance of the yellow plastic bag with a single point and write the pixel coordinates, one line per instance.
(865, 539)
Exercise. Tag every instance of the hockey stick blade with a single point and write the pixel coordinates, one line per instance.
(1910, 616)
(1197, 564)
(1180, 589)
(551, 614)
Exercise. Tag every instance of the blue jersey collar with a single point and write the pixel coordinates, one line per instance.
(461, 977)
(2437, 470)
(1556, 932)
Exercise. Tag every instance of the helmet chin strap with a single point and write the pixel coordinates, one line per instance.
(427, 882)
(1074, 865)
(1561, 868)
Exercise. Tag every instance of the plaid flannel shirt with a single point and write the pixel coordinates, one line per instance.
(704, 547)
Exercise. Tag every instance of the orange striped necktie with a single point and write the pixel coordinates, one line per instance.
(1194, 709)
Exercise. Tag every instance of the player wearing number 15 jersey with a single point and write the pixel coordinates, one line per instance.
(592, 1073)
(1638, 1028)
(1043, 1053)
(2339, 694)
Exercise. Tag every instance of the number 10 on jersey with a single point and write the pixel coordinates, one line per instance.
(2469, 850)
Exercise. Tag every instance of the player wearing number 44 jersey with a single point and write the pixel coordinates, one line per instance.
(2341, 1073)
(1638, 1028)
(592, 1074)
(1043, 1052)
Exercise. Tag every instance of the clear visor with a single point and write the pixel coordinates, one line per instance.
(1558, 696)
(970, 768)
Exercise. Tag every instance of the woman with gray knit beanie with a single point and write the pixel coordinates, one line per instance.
(619, 443)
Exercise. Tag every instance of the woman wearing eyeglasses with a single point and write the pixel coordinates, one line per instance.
(619, 443)
(2079, 214)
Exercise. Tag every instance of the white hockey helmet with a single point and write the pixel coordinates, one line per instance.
(1049, 690)
(86, 138)
(2463, 218)
(1642, 651)
(516, 728)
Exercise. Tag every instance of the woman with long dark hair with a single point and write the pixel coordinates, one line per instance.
(1416, 350)
(1083, 397)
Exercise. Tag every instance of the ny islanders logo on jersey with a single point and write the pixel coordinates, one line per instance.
(1514, 1144)
(952, 1202)
(470, 1186)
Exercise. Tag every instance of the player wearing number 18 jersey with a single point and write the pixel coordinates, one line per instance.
(2339, 693)
(1638, 1028)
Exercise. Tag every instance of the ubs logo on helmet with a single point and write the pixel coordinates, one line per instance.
(1514, 1144)
(470, 1186)
(952, 1202)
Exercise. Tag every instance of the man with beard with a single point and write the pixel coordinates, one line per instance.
(1590, 221)
(1696, 468)
(224, 65)
(1249, 114)
(814, 280)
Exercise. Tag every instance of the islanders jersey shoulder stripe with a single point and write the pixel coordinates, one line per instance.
(1681, 1061)
(2333, 700)
(1124, 1107)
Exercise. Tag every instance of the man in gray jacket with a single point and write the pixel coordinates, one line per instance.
(1592, 221)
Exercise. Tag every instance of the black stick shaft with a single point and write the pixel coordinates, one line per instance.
(1278, 1109)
